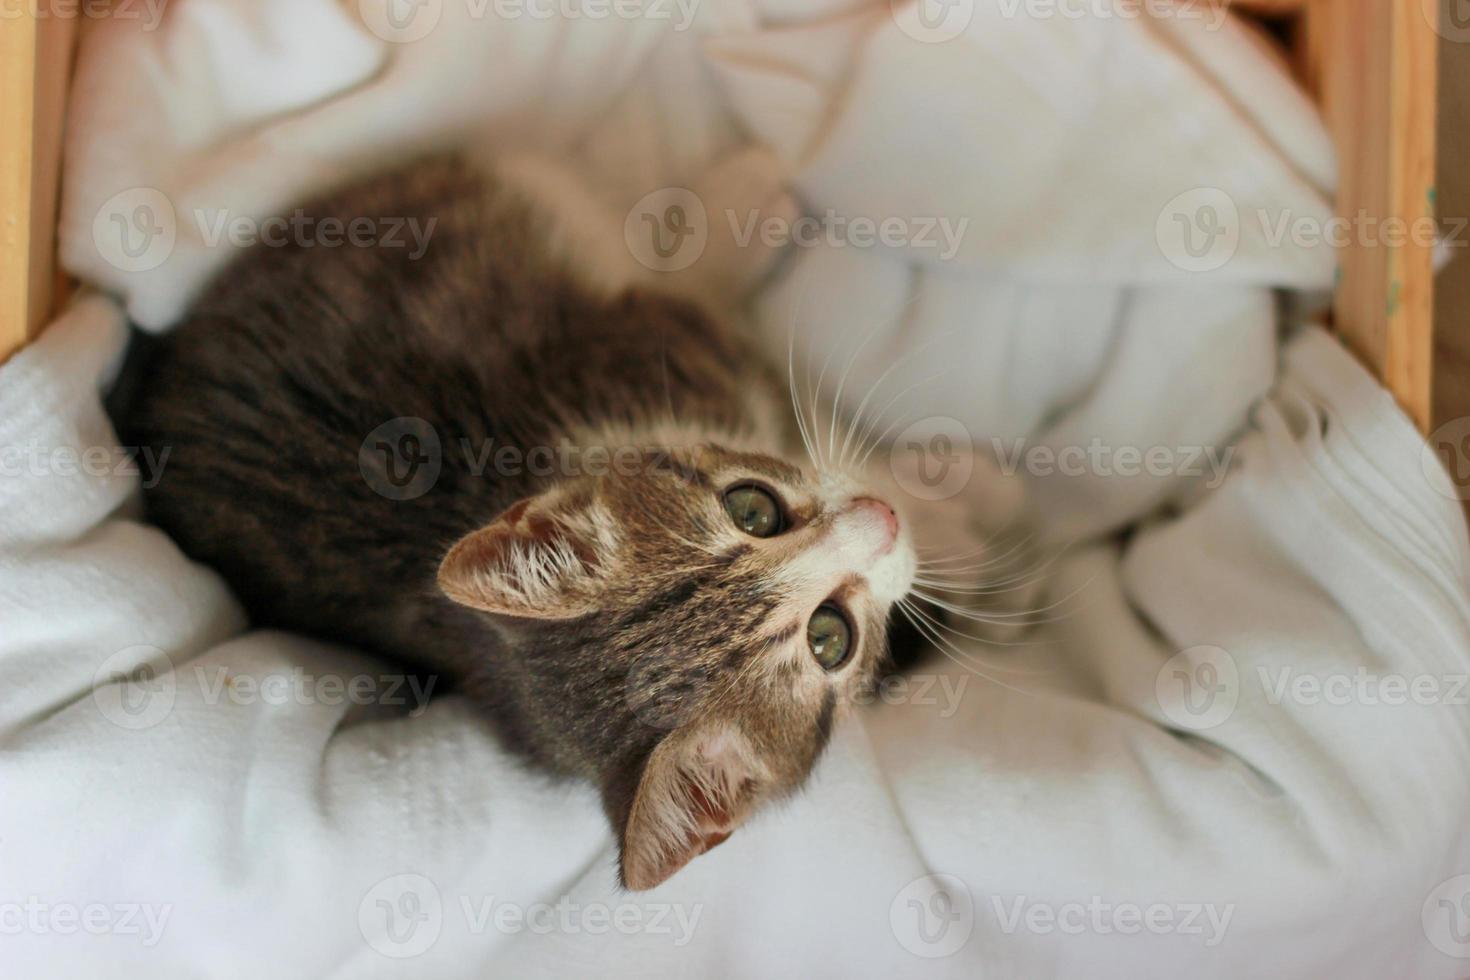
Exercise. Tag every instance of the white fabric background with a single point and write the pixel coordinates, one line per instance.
(271, 832)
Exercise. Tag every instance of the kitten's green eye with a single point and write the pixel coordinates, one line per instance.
(829, 637)
(754, 511)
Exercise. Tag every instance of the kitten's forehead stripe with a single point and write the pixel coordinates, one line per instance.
(784, 635)
(663, 461)
(665, 600)
(739, 652)
(767, 466)
(734, 554)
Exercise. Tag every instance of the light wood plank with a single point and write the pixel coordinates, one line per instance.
(35, 66)
(1371, 64)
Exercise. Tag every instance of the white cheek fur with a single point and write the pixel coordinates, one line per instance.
(892, 576)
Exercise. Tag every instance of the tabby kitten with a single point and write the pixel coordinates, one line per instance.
(666, 607)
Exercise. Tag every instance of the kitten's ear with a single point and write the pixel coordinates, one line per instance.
(537, 560)
(696, 788)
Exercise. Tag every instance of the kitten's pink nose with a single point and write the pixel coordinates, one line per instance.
(880, 517)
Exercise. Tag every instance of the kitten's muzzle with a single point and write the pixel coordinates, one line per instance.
(872, 522)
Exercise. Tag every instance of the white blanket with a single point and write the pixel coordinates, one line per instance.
(1243, 744)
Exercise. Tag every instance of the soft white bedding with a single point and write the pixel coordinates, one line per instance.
(1070, 816)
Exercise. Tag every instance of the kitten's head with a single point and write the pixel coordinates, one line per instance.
(691, 624)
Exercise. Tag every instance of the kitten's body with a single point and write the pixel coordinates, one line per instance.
(615, 627)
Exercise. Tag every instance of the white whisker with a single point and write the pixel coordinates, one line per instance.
(987, 641)
(952, 652)
(1006, 619)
